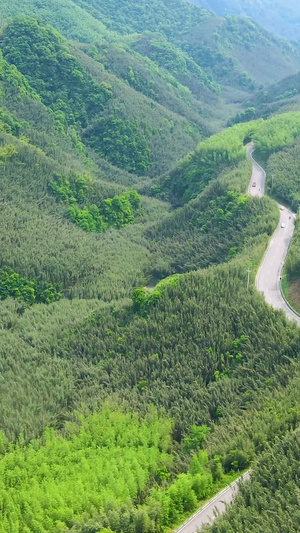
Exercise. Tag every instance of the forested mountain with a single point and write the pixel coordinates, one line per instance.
(138, 373)
(193, 54)
(278, 16)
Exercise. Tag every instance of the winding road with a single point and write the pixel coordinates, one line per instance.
(268, 281)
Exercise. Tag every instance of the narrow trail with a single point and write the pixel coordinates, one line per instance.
(268, 281)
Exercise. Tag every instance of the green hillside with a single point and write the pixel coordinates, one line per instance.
(282, 18)
(140, 369)
(78, 90)
(227, 48)
(224, 151)
(194, 55)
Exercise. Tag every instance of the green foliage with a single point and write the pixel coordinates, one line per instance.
(39, 241)
(269, 502)
(121, 142)
(283, 178)
(110, 458)
(244, 116)
(88, 218)
(11, 75)
(225, 150)
(199, 346)
(281, 19)
(219, 45)
(9, 123)
(144, 298)
(144, 75)
(178, 63)
(156, 350)
(196, 437)
(213, 228)
(7, 152)
(77, 89)
(40, 53)
(292, 266)
(116, 212)
(71, 190)
(177, 19)
(276, 133)
(15, 286)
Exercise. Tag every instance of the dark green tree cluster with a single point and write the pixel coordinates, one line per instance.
(15, 286)
(9, 123)
(11, 75)
(121, 142)
(244, 116)
(40, 54)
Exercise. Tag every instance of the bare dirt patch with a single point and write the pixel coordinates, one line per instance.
(294, 294)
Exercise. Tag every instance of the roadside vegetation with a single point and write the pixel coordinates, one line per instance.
(224, 151)
(261, 504)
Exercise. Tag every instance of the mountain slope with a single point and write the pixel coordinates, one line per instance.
(122, 404)
(277, 16)
(187, 24)
(123, 126)
(204, 53)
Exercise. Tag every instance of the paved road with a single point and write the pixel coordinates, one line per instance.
(215, 506)
(267, 282)
(268, 276)
(258, 177)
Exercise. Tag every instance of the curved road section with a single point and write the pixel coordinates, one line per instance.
(269, 283)
(258, 176)
(268, 279)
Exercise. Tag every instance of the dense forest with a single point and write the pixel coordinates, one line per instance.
(140, 373)
(271, 501)
(282, 19)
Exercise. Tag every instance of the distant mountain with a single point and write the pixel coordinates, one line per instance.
(280, 97)
(278, 16)
(195, 64)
